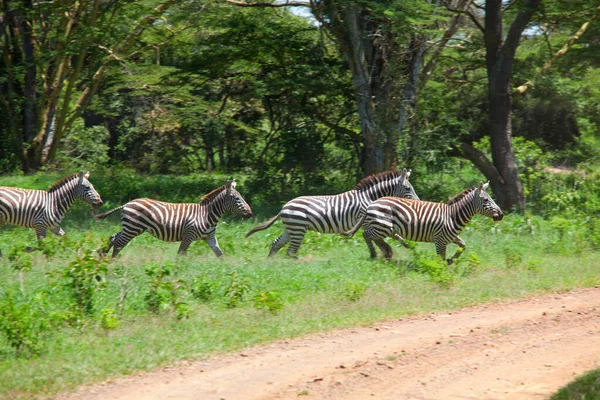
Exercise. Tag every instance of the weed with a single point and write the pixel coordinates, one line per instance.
(236, 290)
(513, 257)
(164, 293)
(202, 288)
(354, 291)
(23, 324)
(269, 301)
(109, 319)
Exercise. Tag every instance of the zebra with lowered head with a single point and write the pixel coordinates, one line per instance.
(44, 210)
(425, 221)
(336, 213)
(178, 222)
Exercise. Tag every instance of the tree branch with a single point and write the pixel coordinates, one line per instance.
(548, 64)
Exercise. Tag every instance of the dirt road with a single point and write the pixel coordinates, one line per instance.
(519, 350)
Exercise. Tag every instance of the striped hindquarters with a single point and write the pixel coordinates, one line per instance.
(326, 214)
(22, 207)
(165, 221)
(414, 220)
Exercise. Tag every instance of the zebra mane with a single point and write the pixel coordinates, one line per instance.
(58, 184)
(461, 195)
(207, 198)
(374, 179)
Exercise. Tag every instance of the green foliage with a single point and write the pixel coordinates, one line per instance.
(586, 386)
(202, 288)
(23, 323)
(85, 147)
(268, 301)
(354, 291)
(166, 294)
(513, 258)
(432, 265)
(109, 319)
(236, 290)
(82, 279)
(466, 265)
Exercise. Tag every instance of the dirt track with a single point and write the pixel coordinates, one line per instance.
(518, 350)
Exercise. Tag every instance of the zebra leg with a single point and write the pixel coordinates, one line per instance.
(369, 242)
(295, 242)
(40, 233)
(385, 248)
(212, 243)
(120, 240)
(440, 248)
(461, 248)
(279, 243)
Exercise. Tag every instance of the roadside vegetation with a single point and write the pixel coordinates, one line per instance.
(68, 317)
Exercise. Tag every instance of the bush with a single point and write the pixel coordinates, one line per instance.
(24, 324)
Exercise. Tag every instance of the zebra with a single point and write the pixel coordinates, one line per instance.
(174, 222)
(424, 221)
(336, 213)
(44, 210)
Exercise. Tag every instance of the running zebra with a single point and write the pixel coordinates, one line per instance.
(337, 213)
(44, 210)
(424, 221)
(178, 222)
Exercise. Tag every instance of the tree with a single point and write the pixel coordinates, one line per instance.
(55, 55)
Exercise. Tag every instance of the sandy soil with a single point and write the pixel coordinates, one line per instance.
(518, 350)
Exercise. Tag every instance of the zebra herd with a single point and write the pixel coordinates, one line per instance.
(384, 205)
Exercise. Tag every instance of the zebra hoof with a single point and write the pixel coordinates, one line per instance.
(450, 261)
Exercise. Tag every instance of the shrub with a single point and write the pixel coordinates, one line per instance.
(269, 301)
(236, 290)
(164, 293)
(23, 323)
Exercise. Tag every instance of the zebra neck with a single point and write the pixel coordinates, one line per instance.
(214, 211)
(461, 213)
(61, 200)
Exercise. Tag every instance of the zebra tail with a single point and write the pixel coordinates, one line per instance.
(106, 214)
(352, 231)
(263, 226)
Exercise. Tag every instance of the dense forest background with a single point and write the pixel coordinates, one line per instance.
(307, 96)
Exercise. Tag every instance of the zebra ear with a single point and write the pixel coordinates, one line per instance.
(231, 185)
(485, 185)
(87, 174)
(480, 188)
(81, 176)
(408, 173)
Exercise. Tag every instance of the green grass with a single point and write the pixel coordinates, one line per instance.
(333, 285)
(585, 387)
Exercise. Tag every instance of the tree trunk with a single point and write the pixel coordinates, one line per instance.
(499, 62)
(29, 86)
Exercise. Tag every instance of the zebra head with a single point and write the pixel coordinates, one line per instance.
(234, 202)
(403, 188)
(85, 191)
(485, 205)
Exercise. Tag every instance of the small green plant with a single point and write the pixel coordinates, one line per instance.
(82, 279)
(354, 291)
(513, 257)
(20, 261)
(269, 301)
(23, 324)
(466, 266)
(432, 265)
(201, 288)
(236, 290)
(109, 319)
(164, 293)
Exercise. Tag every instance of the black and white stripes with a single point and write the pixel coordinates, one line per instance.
(337, 213)
(424, 221)
(174, 222)
(44, 210)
